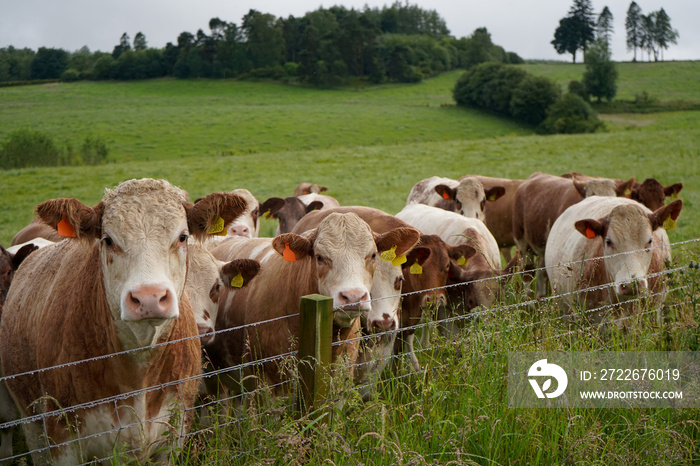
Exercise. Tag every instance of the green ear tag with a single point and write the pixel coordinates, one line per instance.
(398, 260)
(462, 261)
(669, 224)
(389, 255)
(237, 281)
(217, 227)
(416, 269)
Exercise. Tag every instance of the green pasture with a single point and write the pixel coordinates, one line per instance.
(369, 146)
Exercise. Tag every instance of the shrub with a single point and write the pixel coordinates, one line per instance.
(570, 114)
(578, 88)
(70, 75)
(532, 98)
(29, 148)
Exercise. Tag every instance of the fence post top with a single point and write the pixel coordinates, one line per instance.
(316, 297)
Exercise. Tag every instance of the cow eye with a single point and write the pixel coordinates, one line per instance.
(183, 237)
(319, 257)
(374, 255)
(108, 241)
(608, 242)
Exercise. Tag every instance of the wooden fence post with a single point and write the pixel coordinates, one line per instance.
(315, 338)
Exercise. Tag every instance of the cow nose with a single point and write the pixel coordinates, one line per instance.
(150, 302)
(631, 288)
(384, 324)
(240, 230)
(437, 299)
(354, 296)
(205, 329)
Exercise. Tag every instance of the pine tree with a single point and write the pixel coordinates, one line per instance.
(633, 26)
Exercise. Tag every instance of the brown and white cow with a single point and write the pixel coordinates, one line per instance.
(82, 298)
(467, 196)
(539, 201)
(10, 260)
(338, 259)
(621, 241)
(482, 263)
(308, 188)
(498, 216)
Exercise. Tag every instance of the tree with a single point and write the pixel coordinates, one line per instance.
(263, 36)
(604, 26)
(49, 63)
(665, 34)
(575, 31)
(139, 41)
(124, 45)
(600, 77)
(633, 26)
(569, 115)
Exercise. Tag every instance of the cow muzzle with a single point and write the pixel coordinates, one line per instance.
(385, 324)
(631, 288)
(206, 333)
(150, 302)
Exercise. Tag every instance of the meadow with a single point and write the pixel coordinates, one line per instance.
(369, 146)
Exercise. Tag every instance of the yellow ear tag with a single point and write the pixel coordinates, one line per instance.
(669, 224)
(628, 192)
(389, 255)
(218, 227)
(492, 197)
(65, 229)
(416, 268)
(288, 254)
(398, 260)
(268, 215)
(237, 281)
(462, 261)
(674, 195)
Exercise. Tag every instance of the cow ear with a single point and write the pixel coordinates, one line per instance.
(403, 239)
(315, 205)
(459, 255)
(673, 190)
(22, 254)
(495, 193)
(666, 216)
(205, 216)
(294, 247)
(624, 188)
(71, 218)
(239, 272)
(418, 254)
(322, 189)
(271, 207)
(580, 187)
(590, 228)
(445, 192)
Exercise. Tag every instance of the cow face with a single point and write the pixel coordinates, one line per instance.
(386, 298)
(345, 252)
(596, 187)
(248, 223)
(143, 227)
(627, 235)
(470, 197)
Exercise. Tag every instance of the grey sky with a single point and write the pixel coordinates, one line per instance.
(522, 26)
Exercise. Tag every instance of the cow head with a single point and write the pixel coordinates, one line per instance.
(206, 278)
(308, 188)
(345, 252)
(142, 227)
(627, 236)
(288, 211)
(652, 193)
(248, 223)
(595, 187)
(470, 197)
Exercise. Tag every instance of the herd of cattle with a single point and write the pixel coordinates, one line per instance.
(145, 267)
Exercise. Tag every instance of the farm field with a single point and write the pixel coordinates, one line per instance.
(369, 147)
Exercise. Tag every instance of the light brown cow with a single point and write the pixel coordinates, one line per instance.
(83, 298)
(36, 229)
(539, 201)
(622, 242)
(466, 196)
(308, 188)
(338, 259)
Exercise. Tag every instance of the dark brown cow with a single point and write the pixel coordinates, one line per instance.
(288, 211)
(338, 259)
(539, 201)
(117, 286)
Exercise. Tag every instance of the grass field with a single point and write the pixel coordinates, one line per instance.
(369, 147)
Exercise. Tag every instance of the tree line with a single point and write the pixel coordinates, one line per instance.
(581, 28)
(325, 47)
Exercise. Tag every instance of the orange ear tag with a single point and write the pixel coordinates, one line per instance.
(65, 229)
(590, 234)
(669, 224)
(237, 281)
(288, 254)
(217, 228)
(398, 260)
(389, 255)
(445, 195)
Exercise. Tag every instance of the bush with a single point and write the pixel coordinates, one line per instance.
(531, 99)
(578, 88)
(70, 75)
(31, 148)
(570, 114)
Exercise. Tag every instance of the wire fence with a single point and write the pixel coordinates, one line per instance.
(560, 322)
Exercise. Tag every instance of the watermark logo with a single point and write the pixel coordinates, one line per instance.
(543, 369)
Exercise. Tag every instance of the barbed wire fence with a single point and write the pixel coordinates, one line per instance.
(576, 319)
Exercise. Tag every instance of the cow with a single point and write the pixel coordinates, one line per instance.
(606, 240)
(36, 229)
(248, 224)
(538, 202)
(10, 260)
(337, 259)
(434, 261)
(466, 196)
(480, 270)
(308, 188)
(287, 211)
(498, 216)
(114, 286)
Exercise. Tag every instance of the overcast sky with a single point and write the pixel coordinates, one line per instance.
(522, 26)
